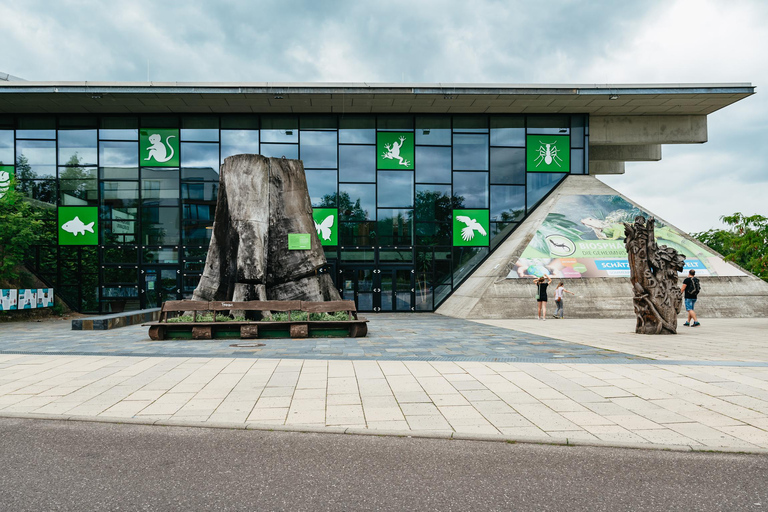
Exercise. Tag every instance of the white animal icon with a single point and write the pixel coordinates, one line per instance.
(157, 149)
(5, 183)
(548, 154)
(76, 226)
(324, 228)
(393, 152)
(468, 233)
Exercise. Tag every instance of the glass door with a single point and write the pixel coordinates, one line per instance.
(357, 284)
(395, 289)
(159, 285)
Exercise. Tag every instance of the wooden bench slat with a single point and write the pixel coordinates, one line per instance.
(185, 305)
(328, 307)
(256, 305)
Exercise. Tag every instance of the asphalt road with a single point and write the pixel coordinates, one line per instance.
(52, 465)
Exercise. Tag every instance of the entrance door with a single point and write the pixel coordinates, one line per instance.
(376, 289)
(159, 285)
(357, 284)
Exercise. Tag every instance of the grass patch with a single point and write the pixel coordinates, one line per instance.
(207, 317)
(303, 316)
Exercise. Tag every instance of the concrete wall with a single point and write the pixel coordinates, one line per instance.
(487, 293)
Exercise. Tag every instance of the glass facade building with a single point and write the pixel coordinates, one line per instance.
(397, 246)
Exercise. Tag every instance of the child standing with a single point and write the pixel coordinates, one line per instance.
(559, 291)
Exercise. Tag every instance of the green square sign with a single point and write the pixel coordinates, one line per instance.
(327, 225)
(394, 150)
(471, 228)
(6, 175)
(78, 225)
(299, 242)
(159, 148)
(548, 153)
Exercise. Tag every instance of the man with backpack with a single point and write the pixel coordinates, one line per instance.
(691, 289)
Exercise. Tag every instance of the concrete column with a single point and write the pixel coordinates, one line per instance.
(637, 130)
(605, 167)
(640, 153)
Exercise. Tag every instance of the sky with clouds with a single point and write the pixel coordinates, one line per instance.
(557, 41)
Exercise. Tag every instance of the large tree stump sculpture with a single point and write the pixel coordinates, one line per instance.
(261, 200)
(653, 273)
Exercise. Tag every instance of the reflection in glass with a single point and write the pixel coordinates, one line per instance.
(471, 189)
(357, 201)
(239, 142)
(119, 128)
(550, 124)
(199, 191)
(539, 184)
(577, 161)
(470, 152)
(578, 123)
(395, 122)
(280, 150)
(318, 122)
(322, 188)
(465, 259)
(159, 187)
(318, 149)
(395, 189)
(508, 166)
(508, 131)
(433, 131)
(36, 127)
(433, 203)
(507, 203)
(43, 191)
(160, 226)
(77, 147)
(118, 154)
(357, 163)
(200, 128)
(120, 193)
(78, 186)
(433, 233)
(357, 130)
(357, 233)
(6, 147)
(395, 227)
(476, 124)
(279, 129)
(200, 160)
(433, 164)
(35, 159)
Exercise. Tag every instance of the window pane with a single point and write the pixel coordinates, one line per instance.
(36, 128)
(322, 188)
(508, 166)
(279, 129)
(578, 123)
(477, 124)
(389, 122)
(117, 230)
(200, 161)
(470, 152)
(318, 122)
(160, 226)
(280, 150)
(433, 131)
(77, 147)
(157, 255)
(118, 154)
(539, 184)
(433, 202)
(548, 124)
(6, 147)
(357, 233)
(119, 128)
(357, 130)
(44, 191)
(239, 122)
(318, 149)
(159, 187)
(200, 128)
(239, 142)
(35, 159)
(508, 131)
(357, 202)
(119, 193)
(357, 163)
(395, 227)
(471, 189)
(395, 189)
(433, 233)
(153, 122)
(77, 186)
(507, 203)
(433, 165)
(203, 191)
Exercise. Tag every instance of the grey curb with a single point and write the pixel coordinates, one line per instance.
(424, 434)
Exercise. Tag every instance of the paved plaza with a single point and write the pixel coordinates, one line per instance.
(574, 381)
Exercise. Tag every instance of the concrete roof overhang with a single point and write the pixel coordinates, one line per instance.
(257, 97)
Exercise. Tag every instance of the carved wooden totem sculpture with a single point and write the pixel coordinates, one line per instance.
(653, 273)
(261, 200)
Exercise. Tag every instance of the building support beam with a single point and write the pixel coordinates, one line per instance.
(636, 130)
(640, 153)
(605, 167)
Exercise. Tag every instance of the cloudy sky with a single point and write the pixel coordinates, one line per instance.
(557, 41)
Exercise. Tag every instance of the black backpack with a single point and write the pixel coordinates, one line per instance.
(694, 288)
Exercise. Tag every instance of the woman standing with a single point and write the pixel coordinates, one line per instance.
(559, 291)
(541, 296)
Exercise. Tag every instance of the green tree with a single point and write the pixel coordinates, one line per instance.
(22, 225)
(744, 242)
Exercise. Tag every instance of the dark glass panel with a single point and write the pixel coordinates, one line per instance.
(508, 131)
(433, 131)
(120, 193)
(357, 163)
(433, 164)
(239, 122)
(159, 186)
(117, 230)
(160, 255)
(465, 259)
(395, 122)
(318, 150)
(555, 124)
(322, 188)
(357, 233)
(433, 233)
(433, 203)
(361, 255)
(77, 186)
(77, 147)
(318, 122)
(357, 130)
(128, 274)
(357, 201)
(471, 189)
(279, 129)
(36, 127)
(395, 189)
(239, 142)
(395, 227)
(508, 166)
(119, 128)
(192, 191)
(160, 226)
(151, 121)
(578, 125)
(200, 128)
(200, 161)
(197, 233)
(539, 184)
(507, 203)
(475, 124)
(44, 190)
(121, 255)
(35, 159)
(577, 161)
(280, 150)
(499, 230)
(6, 147)
(470, 152)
